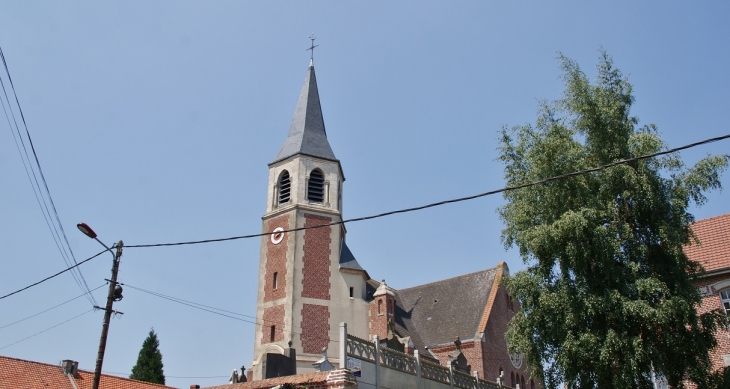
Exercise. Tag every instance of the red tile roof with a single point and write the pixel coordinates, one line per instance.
(713, 251)
(85, 380)
(21, 374)
(319, 377)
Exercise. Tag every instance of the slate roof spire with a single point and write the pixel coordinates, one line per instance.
(307, 134)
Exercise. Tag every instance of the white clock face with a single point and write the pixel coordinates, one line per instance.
(277, 236)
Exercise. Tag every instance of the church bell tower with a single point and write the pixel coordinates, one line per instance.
(303, 293)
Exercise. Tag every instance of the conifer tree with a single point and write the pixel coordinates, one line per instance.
(607, 298)
(149, 361)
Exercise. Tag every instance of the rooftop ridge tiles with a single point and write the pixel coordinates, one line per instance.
(444, 280)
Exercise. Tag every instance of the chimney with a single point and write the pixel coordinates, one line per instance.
(69, 367)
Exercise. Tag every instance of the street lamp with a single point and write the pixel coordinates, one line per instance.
(115, 294)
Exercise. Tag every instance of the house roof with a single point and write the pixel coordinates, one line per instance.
(436, 313)
(319, 377)
(21, 374)
(307, 134)
(713, 249)
(85, 380)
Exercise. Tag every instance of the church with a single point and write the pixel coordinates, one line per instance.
(310, 282)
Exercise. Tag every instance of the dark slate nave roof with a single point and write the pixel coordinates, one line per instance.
(307, 134)
(347, 260)
(436, 313)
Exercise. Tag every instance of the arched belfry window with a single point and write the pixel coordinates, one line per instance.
(315, 188)
(284, 188)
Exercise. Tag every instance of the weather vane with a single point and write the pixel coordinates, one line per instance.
(312, 37)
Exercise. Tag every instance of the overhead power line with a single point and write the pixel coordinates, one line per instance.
(199, 306)
(405, 210)
(47, 329)
(460, 199)
(56, 228)
(55, 275)
(190, 303)
(51, 308)
(208, 308)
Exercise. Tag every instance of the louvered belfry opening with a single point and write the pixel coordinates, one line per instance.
(284, 188)
(316, 186)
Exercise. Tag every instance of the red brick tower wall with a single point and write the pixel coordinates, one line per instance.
(316, 266)
(316, 263)
(273, 316)
(315, 328)
(276, 261)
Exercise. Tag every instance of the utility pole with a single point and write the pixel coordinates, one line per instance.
(115, 293)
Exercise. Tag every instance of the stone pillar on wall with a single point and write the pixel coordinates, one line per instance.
(341, 379)
(343, 346)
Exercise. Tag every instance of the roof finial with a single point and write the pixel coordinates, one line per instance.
(311, 58)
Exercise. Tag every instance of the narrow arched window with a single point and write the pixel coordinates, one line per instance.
(315, 188)
(272, 334)
(284, 188)
(380, 307)
(276, 279)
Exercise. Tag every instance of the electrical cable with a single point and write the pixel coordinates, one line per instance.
(54, 307)
(405, 210)
(36, 189)
(193, 304)
(211, 310)
(77, 275)
(55, 275)
(47, 329)
(184, 301)
(456, 200)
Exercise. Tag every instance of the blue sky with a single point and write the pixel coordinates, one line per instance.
(154, 122)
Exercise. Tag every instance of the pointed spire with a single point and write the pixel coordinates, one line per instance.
(307, 134)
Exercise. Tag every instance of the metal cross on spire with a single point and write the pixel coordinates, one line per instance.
(312, 37)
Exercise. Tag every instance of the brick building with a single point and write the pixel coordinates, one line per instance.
(310, 281)
(713, 253)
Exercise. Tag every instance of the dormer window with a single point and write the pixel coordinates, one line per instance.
(284, 188)
(315, 187)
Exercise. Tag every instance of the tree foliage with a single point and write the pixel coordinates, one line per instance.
(607, 295)
(149, 362)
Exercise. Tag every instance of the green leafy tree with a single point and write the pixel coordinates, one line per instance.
(607, 295)
(149, 361)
